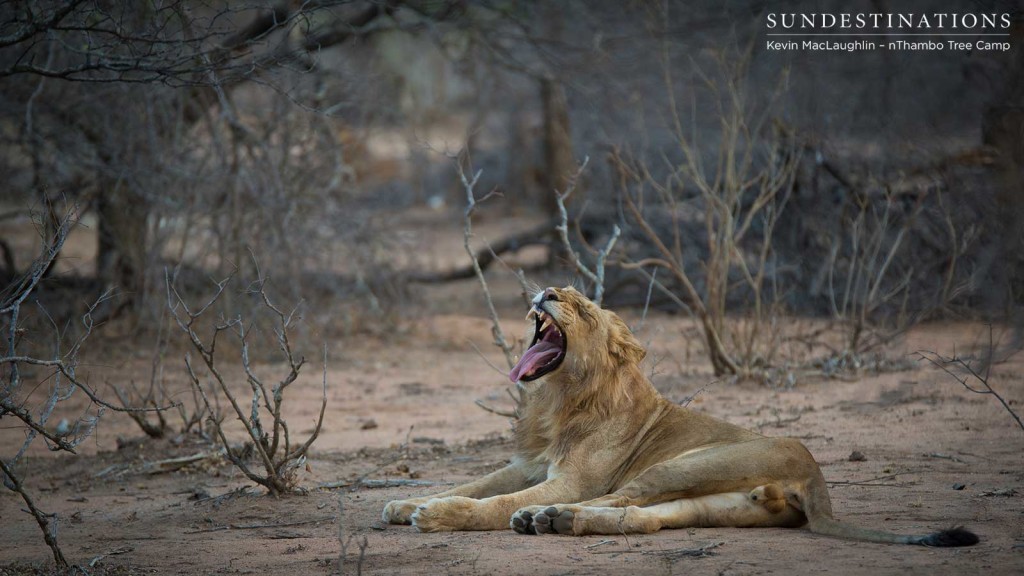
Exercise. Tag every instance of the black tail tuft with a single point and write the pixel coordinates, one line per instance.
(955, 536)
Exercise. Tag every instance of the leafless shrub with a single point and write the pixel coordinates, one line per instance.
(271, 443)
(32, 406)
(895, 252)
(165, 124)
(874, 237)
(737, 201)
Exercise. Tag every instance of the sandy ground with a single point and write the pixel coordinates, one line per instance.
(403, 408)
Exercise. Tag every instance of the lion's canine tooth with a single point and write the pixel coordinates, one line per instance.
(531, 313)
(547, 323)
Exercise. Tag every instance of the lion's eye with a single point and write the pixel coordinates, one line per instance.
(550, 296)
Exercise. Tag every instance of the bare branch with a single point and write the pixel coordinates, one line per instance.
(43, 519)
(596, 276)
(961, 370)
(467, 234)
(505, 413)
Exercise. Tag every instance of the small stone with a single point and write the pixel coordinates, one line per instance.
(368, 424)
(857, 456)
(959, 486)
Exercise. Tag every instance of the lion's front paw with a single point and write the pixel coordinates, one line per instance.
(446, 514)
(543, 520)
(522, 520)
(398, 512)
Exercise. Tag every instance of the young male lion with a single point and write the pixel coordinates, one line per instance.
(599, 451)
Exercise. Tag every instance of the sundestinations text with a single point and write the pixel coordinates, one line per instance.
(882, 21)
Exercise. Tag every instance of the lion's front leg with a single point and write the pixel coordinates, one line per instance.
(460, 513)
(452, 513)
(400, 511)
(511, 478)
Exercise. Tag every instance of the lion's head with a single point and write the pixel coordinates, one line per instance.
(574, 337)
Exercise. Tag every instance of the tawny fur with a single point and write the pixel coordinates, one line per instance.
(600, 451)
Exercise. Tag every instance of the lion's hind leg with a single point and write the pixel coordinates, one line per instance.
(764, 506)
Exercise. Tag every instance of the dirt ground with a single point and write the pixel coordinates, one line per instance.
(402, 408)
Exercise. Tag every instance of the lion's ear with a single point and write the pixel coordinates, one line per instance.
(621, 342)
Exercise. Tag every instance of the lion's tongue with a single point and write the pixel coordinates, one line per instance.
(538, 355)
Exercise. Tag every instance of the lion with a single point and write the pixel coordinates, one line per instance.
(600, 451)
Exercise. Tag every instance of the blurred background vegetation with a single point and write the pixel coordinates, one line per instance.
(877, 188)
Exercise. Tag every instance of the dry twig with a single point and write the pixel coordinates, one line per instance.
(961, 370)
(469, 185)
(344, 542)
(467, 235)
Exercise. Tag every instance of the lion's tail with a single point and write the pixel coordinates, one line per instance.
(815, 505)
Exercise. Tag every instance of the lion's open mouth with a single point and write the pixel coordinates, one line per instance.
(545, 353)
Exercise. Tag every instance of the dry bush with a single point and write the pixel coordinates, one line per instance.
(735, 198)
(37, 378)
(179, 152)
(879, 255)
(268, 434)
(874, 234)
(345, 541)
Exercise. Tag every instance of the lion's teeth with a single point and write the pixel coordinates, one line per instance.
(531, 313)
(547, 323)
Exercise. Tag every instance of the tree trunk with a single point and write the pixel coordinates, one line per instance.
(522, 167)
(121, 255)
(559, 161)
(1003, 129)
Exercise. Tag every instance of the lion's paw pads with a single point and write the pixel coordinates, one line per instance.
(551, 520)
(522, 521)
